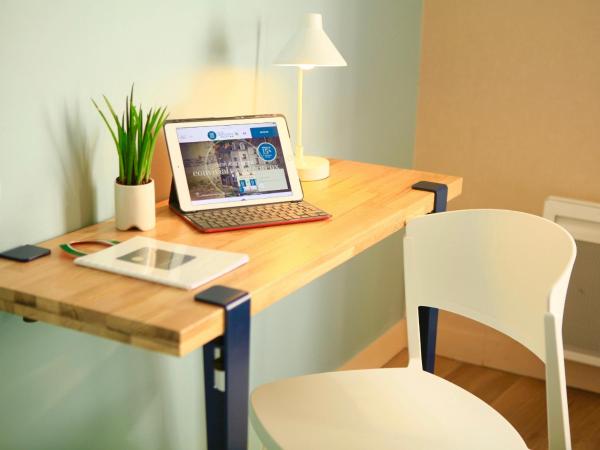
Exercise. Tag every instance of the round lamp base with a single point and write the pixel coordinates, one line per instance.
(312, 168)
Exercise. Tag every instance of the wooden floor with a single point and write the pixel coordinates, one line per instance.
(522, 400)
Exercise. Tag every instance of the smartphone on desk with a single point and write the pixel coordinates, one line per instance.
(25, 253)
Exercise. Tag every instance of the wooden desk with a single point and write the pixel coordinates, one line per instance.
(368, 203)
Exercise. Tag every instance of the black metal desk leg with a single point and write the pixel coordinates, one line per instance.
(428, 317)
(226, 368)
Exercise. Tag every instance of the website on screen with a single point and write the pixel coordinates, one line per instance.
(233, 162)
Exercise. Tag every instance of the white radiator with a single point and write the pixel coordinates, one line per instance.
(581, 327)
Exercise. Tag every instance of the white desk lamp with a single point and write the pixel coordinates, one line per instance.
(309, 47)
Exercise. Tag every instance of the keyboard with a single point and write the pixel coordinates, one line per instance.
(226, 219)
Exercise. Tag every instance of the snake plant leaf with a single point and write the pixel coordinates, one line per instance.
(134, 135)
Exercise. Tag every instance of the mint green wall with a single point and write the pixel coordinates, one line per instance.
(60, 389)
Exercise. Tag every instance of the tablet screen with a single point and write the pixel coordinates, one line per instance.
(229, 163)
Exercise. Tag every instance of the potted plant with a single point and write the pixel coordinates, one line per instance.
(135, 137)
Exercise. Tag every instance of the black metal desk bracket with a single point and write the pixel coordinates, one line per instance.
(226, 367)
(428, 317)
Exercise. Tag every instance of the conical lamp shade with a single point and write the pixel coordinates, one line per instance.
(310, 46)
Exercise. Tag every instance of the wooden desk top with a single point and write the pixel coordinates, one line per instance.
(368, 203)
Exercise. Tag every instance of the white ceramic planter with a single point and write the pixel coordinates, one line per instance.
(135, 206)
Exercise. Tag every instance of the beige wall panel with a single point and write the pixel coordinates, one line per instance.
(510, 100)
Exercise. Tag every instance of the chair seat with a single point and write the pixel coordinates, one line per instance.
(377, 409)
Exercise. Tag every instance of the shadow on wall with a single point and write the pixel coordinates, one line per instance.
(219, 89)
(224, 89)
(86, 379)
(218, 46)
(76, 152)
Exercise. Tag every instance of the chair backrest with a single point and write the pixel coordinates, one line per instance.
(509, 270)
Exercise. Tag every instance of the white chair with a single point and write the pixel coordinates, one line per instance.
(506, 269)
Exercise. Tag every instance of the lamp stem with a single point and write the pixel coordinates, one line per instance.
(299, 147)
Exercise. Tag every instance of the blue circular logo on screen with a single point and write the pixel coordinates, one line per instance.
(267, 151)
(212, 135)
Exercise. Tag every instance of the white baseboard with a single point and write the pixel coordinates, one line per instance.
(465, 340)
(468, 341)
(380, 351)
